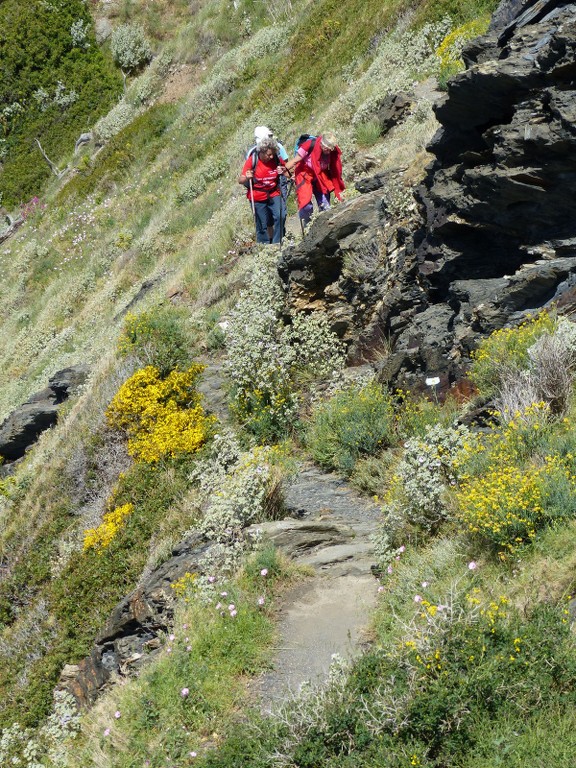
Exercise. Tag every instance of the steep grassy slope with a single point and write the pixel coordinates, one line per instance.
(157, 213)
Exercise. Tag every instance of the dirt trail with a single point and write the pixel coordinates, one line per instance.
(328, 613)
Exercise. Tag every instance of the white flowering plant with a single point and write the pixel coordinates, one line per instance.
(268, 358)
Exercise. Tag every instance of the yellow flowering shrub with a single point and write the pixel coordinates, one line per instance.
(185, 586)
(161, 416)
(507, 495)
(506, 349)
(99, 538)
(450, 49)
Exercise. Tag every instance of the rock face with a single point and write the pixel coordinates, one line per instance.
(132, 632)
(494, 237)
(21, 429)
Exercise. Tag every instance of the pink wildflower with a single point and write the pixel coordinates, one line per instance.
(264, 572)
(184, 692)
(472, 565)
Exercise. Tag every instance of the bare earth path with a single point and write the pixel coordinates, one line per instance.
(327, 613)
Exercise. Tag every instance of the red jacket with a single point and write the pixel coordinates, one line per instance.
(331, 180)
(265, 182)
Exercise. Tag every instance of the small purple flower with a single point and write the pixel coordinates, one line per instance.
(264, 572)
(261, 601)
(117, 714)
(223, 594)
(171, 638)
(184, 692)
(168, 650)
(425, 584)
(218, 606)
(380, 588)
(107, 732)
(417, 598)
(472, 565)
(211, 579)
(402, 549)
(233, 613)
(390, 570)
(231, 607)
(193, 754)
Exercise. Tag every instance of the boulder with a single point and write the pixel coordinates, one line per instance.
(22, 428)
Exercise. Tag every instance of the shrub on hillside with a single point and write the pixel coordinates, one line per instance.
(450, 49)
(130, 47)
(138, 141)
(506, 351)
(355, 422)
(416, 500)
(268, 361)
(156, 337)
(162, 417)
(58, 82)
(514, 483)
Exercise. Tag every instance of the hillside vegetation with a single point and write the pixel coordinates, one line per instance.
(140, 262)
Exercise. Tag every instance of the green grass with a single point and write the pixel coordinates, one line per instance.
(211, 655)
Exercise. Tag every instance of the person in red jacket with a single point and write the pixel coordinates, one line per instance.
(318, 172)
(260, 175)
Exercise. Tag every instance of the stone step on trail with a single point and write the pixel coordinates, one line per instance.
(328, 613)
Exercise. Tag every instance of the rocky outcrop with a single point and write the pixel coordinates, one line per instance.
(494, 237)
(133, 631)
(22, 428)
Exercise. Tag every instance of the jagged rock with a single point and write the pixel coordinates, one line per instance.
(22, 428)
(329, 268)
(393, 110)
(299, 537)
(132, 632)
(494, 236)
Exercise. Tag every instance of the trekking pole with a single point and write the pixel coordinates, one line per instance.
(253, 206)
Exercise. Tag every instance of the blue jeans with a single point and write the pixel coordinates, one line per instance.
(269, 211)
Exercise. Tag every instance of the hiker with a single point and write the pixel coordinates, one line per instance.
(318, 172)
(260, 175)
(263, 132)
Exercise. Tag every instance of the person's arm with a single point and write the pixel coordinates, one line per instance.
(247, 173)
(301, 154)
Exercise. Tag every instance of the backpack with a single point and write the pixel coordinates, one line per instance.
(303, 138)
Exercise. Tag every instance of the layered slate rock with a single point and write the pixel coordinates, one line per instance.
(133, 631)
(494, 234)
(22, 428)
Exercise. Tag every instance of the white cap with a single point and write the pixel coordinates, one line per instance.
(262, 132)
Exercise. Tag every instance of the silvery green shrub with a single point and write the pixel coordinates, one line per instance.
(117, 119)
(267, 357)
(130, 47)
(235, 489)
(30, 749)
(427, 468)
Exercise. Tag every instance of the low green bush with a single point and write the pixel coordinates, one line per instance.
(355, 422)
(56, 82)
(136, 145)
(506, 350)
(157, 337)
